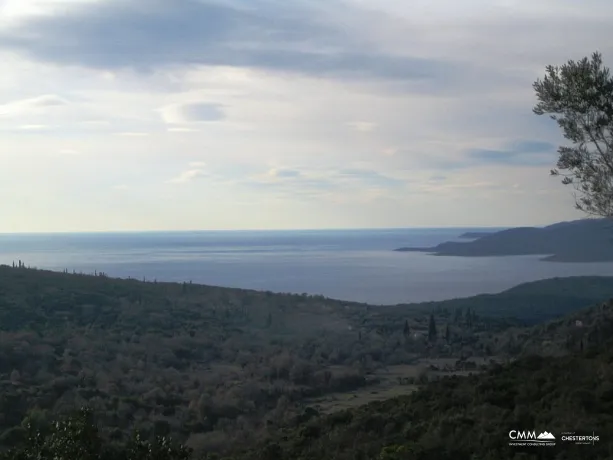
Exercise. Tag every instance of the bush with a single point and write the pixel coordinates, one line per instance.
(77, 437)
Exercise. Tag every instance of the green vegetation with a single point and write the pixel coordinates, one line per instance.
(467, 418)
(589, 327)
(529, 303)
(77, 437)
(219, 369)
(454, 417)
(252, 375)
(579, 97)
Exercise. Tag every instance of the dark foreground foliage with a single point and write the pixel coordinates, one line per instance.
(77, 437)
(468, 418)
(220, 368)
(232, 372)
(460, 418)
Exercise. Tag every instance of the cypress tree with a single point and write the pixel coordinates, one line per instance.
(432, 328)
(407, 329)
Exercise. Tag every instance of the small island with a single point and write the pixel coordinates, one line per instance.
(585, 240)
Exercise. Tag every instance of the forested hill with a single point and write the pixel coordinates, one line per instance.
(474, 235)
(562, 383)
(530, 303)
(469, 418)
(579, 330)
(223, 369)
(586, 240)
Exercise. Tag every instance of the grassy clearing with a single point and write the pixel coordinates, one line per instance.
(394, 381)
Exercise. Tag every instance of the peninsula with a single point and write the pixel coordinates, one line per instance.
(585, 240)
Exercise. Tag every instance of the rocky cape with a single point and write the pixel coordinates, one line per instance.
(586, 240)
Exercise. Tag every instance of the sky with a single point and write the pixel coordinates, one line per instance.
(122, 115)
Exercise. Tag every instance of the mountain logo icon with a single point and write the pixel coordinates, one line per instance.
(546, 436)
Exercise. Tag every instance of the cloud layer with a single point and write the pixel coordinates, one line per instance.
(268, 34)
(272, 114)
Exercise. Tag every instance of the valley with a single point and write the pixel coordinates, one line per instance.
(224, 369)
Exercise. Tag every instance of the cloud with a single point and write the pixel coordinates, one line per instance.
(529, 153)
(193, 112)
(446, 188)
(95, 123)
(319, 183)
(284, 173)
(68, 152)
(305, 109)
(34, 127)
(33, 105)
(202, 112)
(297, 37)
(18, 10)
(196, 170)
(179, 129)
(527, 146)
(363, 126)
(132, 134)
(390, 151)
(49, 100)
(367, 177)
(441, 158)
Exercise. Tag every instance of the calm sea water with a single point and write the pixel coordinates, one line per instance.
(357, 265)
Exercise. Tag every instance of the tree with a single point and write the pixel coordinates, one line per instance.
(269, 320)
(407, 329)
(432, 328)
(77, 437)
(579, 97)
(458, 315)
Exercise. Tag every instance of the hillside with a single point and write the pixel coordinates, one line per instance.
(530, 303)
(460, 418)
(561, 382)
(586, 240)
(579, 330)
(470, 418)
(474, 235)
(220, 369)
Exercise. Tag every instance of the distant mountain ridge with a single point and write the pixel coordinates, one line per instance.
(585, 240)
(530, 303)
(474, 235)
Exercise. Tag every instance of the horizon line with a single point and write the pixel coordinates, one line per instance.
(253, 230)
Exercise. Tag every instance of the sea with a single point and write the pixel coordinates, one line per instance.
(353, 265)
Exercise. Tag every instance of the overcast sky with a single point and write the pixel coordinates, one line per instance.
(262, 114)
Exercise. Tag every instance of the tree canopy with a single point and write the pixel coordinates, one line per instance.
(579, 97)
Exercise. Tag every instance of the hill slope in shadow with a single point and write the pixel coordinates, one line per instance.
(586, 240)
(470, 417)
